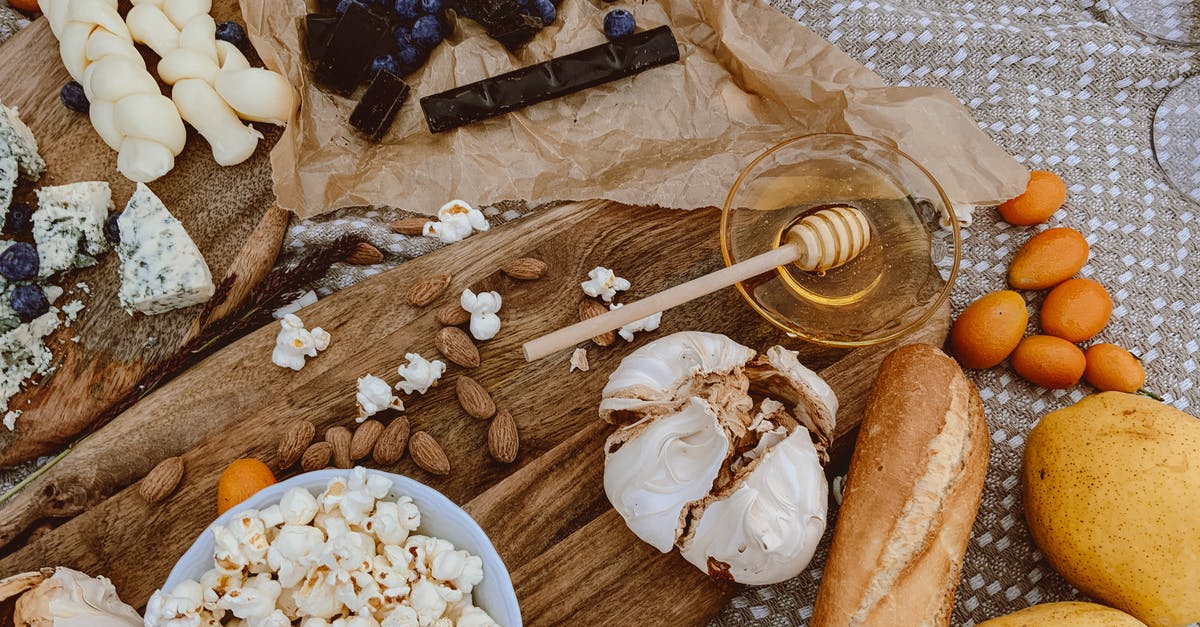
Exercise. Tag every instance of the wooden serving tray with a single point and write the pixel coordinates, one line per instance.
(571, 557)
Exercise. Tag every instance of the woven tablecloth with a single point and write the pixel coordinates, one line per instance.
(1063, 86)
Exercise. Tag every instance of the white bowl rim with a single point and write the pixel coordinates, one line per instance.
(402, 484)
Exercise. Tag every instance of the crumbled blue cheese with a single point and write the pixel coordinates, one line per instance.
(68, 225)
(161, 267)
(71, 312)
(17, 140)
(22, 354)
(8, 182)
(10, 419)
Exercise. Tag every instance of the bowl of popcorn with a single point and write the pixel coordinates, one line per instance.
(338, 548)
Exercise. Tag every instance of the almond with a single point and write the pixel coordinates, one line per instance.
(589, 308)
(364, 254)
(160, 482)
(339, 438)
(409, 226)
(456, 345)
(316, 457)
(525, 269)
(428, 290)
(453, 315)
(389, 448)
(474, 398)
(295, 441)
(364, 439)
(428, 454)
(503, 440)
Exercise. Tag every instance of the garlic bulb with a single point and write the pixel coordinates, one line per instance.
(720, 453)
(70, 598)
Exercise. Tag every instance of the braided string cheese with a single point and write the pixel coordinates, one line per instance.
(213, 83)
(127, 109)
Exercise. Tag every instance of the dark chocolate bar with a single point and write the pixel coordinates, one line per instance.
(317, 29)
(383, 98)
(350, 48)
(557, 77)
(503, 20)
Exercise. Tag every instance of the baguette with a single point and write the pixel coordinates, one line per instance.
(915, 482)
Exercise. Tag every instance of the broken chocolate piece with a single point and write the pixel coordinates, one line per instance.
(383, 98)
(350, 48)
(557, 77)
(318, 28)
(503, 20)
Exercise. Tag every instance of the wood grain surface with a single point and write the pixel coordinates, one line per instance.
(571, 557)
(220, 207)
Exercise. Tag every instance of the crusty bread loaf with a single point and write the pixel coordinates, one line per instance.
(914, 487)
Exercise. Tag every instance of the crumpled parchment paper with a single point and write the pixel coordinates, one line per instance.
(674, 136)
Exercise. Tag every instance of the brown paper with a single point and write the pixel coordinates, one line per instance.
(674, 136)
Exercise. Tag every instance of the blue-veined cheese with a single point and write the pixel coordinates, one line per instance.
(8, 182)
(17, 140)
(22, 354)
(161, 267)
(68, 225)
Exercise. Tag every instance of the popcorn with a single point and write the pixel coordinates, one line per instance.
(375, 395)
(483, 307)
(419, 374)
(649, 323)
(344, 558)
(456, 221)
(294, 343)
(603, 283)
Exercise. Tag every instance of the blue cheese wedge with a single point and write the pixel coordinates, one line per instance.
(23, 354)
(16, 140)
(68, 225)
(8, 182)
(161, 268)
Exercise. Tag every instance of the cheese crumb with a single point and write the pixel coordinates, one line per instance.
(579, 360)
(10, 419)
(71, 311)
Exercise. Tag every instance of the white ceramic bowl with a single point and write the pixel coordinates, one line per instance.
(440, 517)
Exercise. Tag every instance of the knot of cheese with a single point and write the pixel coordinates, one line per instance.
(127, 109)
(213, 85)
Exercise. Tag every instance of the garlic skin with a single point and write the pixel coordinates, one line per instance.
(741, 492)
(70, 598)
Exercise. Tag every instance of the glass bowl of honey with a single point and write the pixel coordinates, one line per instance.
(891, 288)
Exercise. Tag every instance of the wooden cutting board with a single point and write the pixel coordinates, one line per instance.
(220, 208)
(571, 557)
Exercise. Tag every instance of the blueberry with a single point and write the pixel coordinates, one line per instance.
(410, 59)
(427, 32)
(232, 32)
(112, 229)
(73, 98)
(386, 62)
(19, 262)
(402, 36)
(619, 23)
(29, 302)
(431, 7)
(545, 10)
(407, 10)
(19, 215)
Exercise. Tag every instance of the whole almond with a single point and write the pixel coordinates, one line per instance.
(295, 441)
(389, 448)
(428, 454)
(364, 439)
(428, 290)
(474, 398)
(589, 308)
(456, 345)
(525, 269)
(364, 254)
(316, 457)
(339, 438)
(503, 439)
(409, 226)
(453, 315)
(160, 482)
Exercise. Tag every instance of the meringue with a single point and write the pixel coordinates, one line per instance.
(603, 283)
(649, 323)
(375, 395)
(694, 465)
(485, 324)
(294, 343)
(69, 598)
(419, 374)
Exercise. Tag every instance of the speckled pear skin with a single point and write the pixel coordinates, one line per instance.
(1112, 497)
(1066, 614)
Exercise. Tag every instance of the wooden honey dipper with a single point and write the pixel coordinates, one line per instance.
(821, 241)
